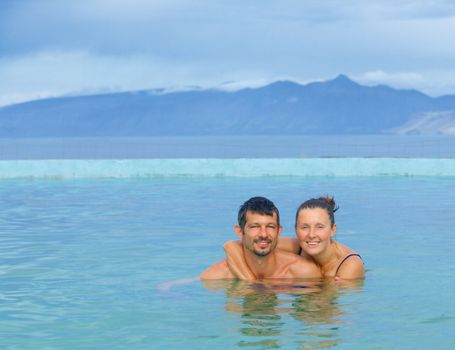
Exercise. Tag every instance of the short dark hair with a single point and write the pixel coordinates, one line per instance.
(257, 205)
(325, 202)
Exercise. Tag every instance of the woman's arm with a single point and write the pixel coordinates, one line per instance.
(289, 244)
(236, 261)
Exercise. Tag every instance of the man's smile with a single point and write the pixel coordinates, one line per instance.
(263, 243)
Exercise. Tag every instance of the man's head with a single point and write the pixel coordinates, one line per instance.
(257, 205)
(259, 225)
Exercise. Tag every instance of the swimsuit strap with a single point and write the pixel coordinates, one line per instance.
(345, 258)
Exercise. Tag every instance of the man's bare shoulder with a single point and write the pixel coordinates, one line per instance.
(220, 270)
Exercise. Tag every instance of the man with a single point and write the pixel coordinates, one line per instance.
(258, 229)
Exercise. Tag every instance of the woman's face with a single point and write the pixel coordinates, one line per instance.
(313, 230)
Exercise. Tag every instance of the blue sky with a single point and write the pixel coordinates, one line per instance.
(61, 47)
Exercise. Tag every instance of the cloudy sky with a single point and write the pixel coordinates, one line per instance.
(61, 47)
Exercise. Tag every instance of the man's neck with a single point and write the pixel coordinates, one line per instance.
(261, 266)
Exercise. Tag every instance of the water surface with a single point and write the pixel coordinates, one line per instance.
(84, 262)
(415, 146)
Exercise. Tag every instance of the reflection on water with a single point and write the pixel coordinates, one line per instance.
(268, 308)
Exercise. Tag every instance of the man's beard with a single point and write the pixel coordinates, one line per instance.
(264, 252)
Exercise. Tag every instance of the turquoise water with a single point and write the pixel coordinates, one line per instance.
(86, 264)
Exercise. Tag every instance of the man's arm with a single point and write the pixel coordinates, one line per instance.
(236, 261)
(289, 244)
(220, 270)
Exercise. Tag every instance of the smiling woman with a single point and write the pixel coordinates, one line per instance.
(315, 228)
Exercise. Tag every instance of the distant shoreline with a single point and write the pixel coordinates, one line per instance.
(230, 147)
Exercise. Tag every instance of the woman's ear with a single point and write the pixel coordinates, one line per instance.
(334, 229)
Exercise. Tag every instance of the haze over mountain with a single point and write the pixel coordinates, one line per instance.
(338, 106)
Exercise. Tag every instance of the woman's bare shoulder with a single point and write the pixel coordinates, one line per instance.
(351, 267)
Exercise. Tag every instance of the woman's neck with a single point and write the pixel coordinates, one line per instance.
(327, 258)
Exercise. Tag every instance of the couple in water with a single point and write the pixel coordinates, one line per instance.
(261, 254)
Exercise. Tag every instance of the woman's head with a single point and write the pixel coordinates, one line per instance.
(315, 225)
(325, 202)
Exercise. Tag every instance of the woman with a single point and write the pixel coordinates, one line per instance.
(314, 227)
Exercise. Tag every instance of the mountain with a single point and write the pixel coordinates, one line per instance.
(338, 106)
(429, 123)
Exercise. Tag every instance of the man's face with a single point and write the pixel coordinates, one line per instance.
(260, 234)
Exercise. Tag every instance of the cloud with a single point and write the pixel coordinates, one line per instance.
(417, 9)
(59, 47)
(431, 82)
(396, 79)
(114, 26)
(55, 73)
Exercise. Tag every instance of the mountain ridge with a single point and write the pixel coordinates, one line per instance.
(336, 106)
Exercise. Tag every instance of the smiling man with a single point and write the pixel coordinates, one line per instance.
(258, 229)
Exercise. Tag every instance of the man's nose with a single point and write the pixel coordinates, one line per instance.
(263, 231)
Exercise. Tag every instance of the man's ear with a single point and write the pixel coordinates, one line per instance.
(280, 229)
(239, 231)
